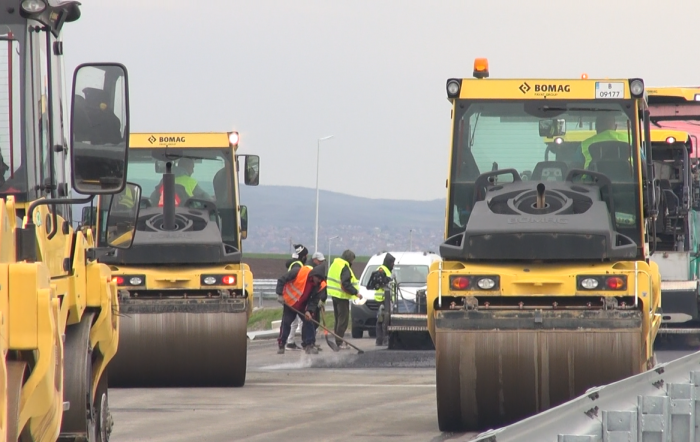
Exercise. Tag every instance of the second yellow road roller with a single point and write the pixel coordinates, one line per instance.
(184, 294)
(546, 288)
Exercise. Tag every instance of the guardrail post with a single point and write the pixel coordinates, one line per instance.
(619, 426)
(695, 384)
(683, 417)
(653, 418)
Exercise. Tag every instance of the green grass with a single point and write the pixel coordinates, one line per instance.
(262, 319)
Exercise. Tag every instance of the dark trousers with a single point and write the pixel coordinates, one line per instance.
(341, 313)
(308, 334)
(383, 318)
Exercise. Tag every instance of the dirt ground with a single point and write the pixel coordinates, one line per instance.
(271, 268)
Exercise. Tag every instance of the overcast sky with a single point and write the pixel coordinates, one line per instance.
(372, 73)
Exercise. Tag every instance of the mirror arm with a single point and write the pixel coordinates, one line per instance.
(26, 236)
(98, 252)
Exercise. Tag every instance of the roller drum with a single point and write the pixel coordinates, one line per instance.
(181, 349)
(490, 378)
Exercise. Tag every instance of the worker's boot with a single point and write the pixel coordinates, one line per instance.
(280, 350)
(311, 350)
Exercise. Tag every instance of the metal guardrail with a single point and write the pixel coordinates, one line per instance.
(659, 405)
(264, 289)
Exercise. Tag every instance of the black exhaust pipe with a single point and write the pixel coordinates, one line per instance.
(540, 196)
(168, 198)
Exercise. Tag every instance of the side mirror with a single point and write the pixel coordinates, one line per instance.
(122, 216)
(89, 217)
(252, 170)
(555, 127)
(244, 222)
(99, 128)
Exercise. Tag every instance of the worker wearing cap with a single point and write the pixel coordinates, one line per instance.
(342, 285)
(298, 260)
(382, 294)
(319, 261)
(605, 131)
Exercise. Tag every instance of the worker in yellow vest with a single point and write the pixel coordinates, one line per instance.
(183, 176)
(380, 281)
(342, 286)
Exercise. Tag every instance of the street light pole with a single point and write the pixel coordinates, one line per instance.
(329, 248)
(410, 240)
(318, 154)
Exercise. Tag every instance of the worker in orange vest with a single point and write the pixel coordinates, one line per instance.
(300, 288)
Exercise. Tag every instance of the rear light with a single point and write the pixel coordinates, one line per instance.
(218, 279)
(602, 282)
(459, 282)
(130, 280)
(615, 283)
(474, 282)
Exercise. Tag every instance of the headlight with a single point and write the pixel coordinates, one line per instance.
(589, 283)
(453, 88)
(486, 283)
(209, 280)
(135, 280)
(636, 87)
(33, 6)
(233, 138)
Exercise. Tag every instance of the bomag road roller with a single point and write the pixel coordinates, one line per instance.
(59, 308)
(185, 295)
(545, 288)
(675, 119)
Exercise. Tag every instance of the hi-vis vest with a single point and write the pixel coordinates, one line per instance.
(294, 290)
(379, 293)
(335, 287)
(185, 181)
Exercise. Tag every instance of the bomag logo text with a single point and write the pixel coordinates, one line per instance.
(552, 88)
(538, 220)
(171, 139)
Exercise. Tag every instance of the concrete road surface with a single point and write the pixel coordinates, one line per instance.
(378, 396)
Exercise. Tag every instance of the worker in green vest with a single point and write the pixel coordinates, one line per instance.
(342, 286)
(183, 176)
(381, 282)
(605, 131)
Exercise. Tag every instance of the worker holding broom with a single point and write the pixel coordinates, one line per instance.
(299, 290)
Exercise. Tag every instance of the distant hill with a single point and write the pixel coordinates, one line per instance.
(366, 225)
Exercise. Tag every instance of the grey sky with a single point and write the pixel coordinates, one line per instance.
(284, 73)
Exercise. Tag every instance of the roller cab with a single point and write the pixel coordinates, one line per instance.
(184, 293)
(545, 289)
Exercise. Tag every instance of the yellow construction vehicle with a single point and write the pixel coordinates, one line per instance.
(675, 118)
(184, 293)
(58, 304)
(545, 288)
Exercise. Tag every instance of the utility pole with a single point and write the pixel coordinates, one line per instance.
(410, 240)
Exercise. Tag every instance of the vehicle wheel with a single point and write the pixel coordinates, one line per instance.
(372, 332)
(357, 333)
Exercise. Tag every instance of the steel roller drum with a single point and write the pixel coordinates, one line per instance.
(179, 349)
(489, 378)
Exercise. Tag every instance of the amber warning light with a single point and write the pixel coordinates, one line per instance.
(481, 68)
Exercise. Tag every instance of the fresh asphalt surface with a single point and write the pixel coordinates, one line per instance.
(381, 395)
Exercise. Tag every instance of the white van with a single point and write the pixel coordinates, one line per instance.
(411, 273)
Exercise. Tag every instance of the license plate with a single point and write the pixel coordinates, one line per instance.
(609, 90)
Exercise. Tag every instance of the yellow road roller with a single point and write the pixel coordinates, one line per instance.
(545, 288)
(185, 295)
